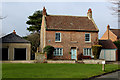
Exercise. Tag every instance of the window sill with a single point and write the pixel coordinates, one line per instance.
(87, 41)
(57, 41)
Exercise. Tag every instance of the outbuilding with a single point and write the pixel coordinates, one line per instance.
(109, 50)
(15, 47)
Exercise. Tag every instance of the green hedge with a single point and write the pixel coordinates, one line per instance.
(96, 51)
(49, 50)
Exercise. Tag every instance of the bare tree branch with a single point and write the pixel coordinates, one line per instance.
(2, 17)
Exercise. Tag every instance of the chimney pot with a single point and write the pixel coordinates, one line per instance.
(89, 13)
(44, 11)
(108, 27)
(14, 32)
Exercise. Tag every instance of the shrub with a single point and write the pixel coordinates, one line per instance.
(117, 43)
(69, 52)
(49, 50)
(96, 51)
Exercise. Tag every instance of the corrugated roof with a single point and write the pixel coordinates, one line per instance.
(13, 38)
(69, 23)
(107, 44)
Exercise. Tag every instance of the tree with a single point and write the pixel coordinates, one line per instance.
(34, 38)
(35, 21)
(96, 51)
(2, 17)
(117, 43)
(116, 7)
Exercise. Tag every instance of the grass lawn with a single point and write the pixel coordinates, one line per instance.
(12, 70)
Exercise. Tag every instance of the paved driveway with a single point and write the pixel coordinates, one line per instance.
(111, 76)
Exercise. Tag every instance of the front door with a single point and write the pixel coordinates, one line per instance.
(73, 54)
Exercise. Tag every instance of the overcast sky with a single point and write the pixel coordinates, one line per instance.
(17, 13)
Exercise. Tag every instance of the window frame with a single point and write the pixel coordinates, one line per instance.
(89, 37)
(58, 51)
(87, 51)
(55, 37)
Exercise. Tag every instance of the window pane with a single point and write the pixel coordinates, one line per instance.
(84, 51)
(58, 52)
(89, 51)
(87, 37)
(57, 36)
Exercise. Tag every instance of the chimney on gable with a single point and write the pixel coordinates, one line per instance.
(108, 28)
(14, 32)
(44, 11)
(89, 13)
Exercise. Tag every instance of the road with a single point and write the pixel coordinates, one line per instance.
(111, 76)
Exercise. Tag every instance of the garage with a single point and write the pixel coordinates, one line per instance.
(4, 53)
(19, 53)
(108, 54)
(15, 47)
(108, 51)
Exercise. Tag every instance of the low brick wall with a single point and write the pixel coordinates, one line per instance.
(61, 61)
(40, 58)
(19, 61)
(92, 61)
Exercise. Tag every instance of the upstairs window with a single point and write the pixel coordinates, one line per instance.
(87, 37)
(57, 37)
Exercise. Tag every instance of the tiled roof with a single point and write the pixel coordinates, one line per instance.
(116, 32)
(69, 23)
(107, 44)
(13, 38)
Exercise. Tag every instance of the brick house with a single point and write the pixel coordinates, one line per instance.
(112, 34)
(71, 36)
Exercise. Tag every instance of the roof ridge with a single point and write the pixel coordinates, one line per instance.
(114, 29)
(67, 15)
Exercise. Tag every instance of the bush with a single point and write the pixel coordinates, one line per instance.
(96, 51)
(117, 43)
(49, 50)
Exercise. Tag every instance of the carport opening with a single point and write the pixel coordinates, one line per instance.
(4, 53)
(19, 53)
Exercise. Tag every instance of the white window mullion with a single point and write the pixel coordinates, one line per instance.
(59, 51)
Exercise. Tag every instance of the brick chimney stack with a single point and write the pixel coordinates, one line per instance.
(89, 13)
(108, 28)
(14, 32)
(44, 11)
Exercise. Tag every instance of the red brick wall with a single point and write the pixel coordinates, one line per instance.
(66, 44)
(112, 36)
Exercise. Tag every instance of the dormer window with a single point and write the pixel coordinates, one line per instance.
(87, 37)
(57, 37)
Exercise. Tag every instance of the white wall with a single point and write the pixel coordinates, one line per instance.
(108, 54)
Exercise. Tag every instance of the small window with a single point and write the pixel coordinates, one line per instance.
(87, 37)
(57, 37)
(87, 52)
(58, 52)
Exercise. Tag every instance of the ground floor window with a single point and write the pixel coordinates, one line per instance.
(87, 52)
(58, 52)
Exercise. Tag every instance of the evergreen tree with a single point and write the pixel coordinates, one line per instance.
(35, 21)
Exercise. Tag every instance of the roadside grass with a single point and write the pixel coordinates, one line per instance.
(19, 70)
